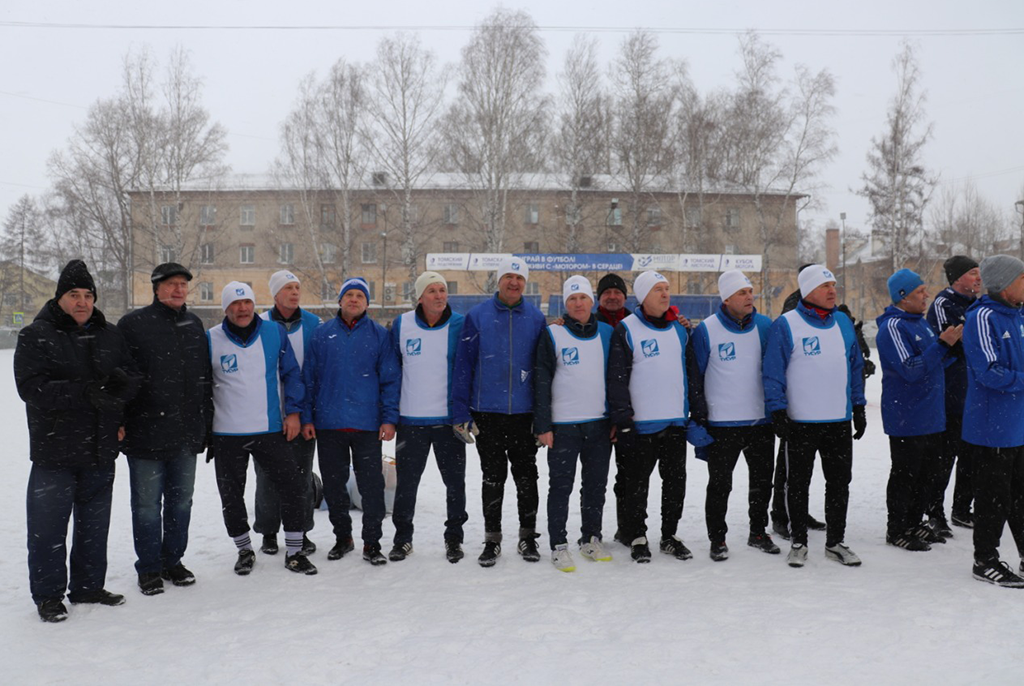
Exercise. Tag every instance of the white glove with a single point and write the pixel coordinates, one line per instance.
(466, 431)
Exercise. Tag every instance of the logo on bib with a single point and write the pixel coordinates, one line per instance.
(649, 348)
(570, 356)
(413, 345)
(727, 351)
(812, 346)
(229, 364)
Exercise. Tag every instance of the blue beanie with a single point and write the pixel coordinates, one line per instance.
(903, 283)
(357, 283)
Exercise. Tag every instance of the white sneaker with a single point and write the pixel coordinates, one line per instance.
(797, 555)
(593, 550)
(843, 555)
(561, 558)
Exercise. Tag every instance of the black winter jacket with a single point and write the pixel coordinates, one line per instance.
(61, 371)
(174, 408)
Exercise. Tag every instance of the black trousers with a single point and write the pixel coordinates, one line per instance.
(999, 498)
(954, 450)
(268, 502)
(779, 512)
(757, 443)
(834, 442)
(279, 462)
(507, 440)
(636, 458)
(913, 479)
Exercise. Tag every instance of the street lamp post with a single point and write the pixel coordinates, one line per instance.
(1019, 206)
(842, 218)
(384, 269)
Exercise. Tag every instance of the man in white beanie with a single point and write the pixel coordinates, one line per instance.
(425, 340)
(570, 418)
(649, 407)
(286, 290)
(813, 386)
(257, 398)
(492, 395)
(729, 398)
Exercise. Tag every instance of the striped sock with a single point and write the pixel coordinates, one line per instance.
(293, 542)
(242, 542)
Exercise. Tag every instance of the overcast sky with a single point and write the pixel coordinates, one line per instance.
(58, 57)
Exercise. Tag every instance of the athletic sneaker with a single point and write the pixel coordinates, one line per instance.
(561, 558)
(940, 526)
(299, 563)
(964, 519)
(151, 583)
(246, 561)
(781, 530)
(400, 551)
(797, 555)
(269, 546)
(100, 596)
(527, 548)
(675, 547)
(764, 543)
(841, 554)
(453, 551)
(815, 525)
(308, 547)
(372, 554)
(926, 534)
(639, 550)
(341, 548)
(997, 572)
(593, 550)
(719, 551)
(907, 541)
(489, 557)
(52, 610)
(179, 575)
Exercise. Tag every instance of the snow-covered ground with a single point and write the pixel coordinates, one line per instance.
(900, 618)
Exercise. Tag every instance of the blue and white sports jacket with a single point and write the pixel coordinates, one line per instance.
(300, 333)
(994, 349)
(427, 357)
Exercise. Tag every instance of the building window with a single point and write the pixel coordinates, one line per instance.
(613, 247)
(286, 253)
(327, 215)
(531, 213)
(451, 246)
(207, 215)
(693, 288)
(327, 292)
(532, 288)
(168, 254)
(369, 215)
(451, 214)
(730, 249)
(205, 292)
(614, 216)
(573, 214)
(373, 291)
(732, 218)
(206, 253)
(369, 253)
(287, 215)
(654, 217)
(691, 217)
(531, 247)
(328, 253)
(247, 215)
(168, 215)
(689, 248)
(453, 288)
(409, 290)
(247, 254)
(656, 248)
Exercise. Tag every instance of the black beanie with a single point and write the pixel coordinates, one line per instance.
(610, 281)
(75, 275)
(956, 266)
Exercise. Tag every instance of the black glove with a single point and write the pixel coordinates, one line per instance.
(869, 368)
(781, 424)
(98, 397)
(625, 436)
(860, 422)
(209, 452)
(117, 383)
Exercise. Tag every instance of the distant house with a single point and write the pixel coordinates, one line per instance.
(22, 293)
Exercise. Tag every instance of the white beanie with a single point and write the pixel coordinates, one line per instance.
(644, 283)
(577, 284)
(279, 280)
(236, 290)
(812, 277)
(513, 265)
(425, 279)
(730, 282)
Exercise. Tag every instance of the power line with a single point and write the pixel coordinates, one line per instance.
(51, 102)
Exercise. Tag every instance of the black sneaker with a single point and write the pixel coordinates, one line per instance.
(52, 610)
(964, 519)
(940, 526)
(269, 546)
(299, 563)
(926, 534)
(640, 551)
(453, 551)
(400, 551)
(100, 596)
(719, 551)
(178, 575)
(675, 547)
(814, 525)
(527, 548)
(341, 548)
(781, 530)
(246, 561)
(764, 543)
(151, 583)
(908, 541)
(372, 554)
(308, 547)
(997, 572)
(489, 557)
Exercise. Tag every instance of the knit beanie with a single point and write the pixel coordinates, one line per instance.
(577, 284)
(513, 265)
(812, 277)
(425, 279)
(999, 271)
(730, 282)
(611, 281)
(236, 290)
(279, 280)
(357, 283)
(956, 266)
(903, 283)
(644, 283)
(75, 275)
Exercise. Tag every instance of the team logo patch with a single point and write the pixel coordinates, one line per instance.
(413, 346)
(727, 351)
(812, 346)
(574, 287)
(229, 364)
(649, 348)
(523, 375)
(239, 291)
(570, 356)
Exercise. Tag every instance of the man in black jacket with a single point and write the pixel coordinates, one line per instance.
(166, 426)
(74, 372)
